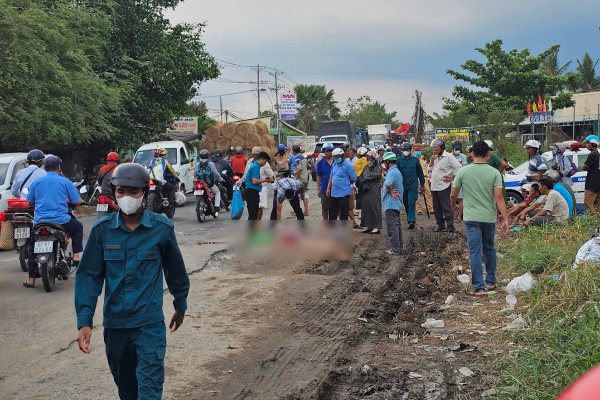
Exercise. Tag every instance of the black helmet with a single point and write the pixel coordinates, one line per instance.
(130, 174)
(405, 146)
(35, 156)
(52, 163)
(217, 153)
(203, 154)
(439, 142)
(457, 144)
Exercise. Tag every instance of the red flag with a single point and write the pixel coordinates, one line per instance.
(539, 102)
(528, 107)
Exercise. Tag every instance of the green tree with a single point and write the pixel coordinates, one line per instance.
(506, 80)
(550, 66)
(198, 109)
(316, 105)
(585, 79)
(363, 111)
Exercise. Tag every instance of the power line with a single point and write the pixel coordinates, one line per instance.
(226, 94)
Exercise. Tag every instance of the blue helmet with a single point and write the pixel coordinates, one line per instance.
(328, 146)
(593, 139)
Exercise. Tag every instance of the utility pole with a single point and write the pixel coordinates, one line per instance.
(221, 107)
(419, 134)
(258, 88)
(277, 104)
(226, 115)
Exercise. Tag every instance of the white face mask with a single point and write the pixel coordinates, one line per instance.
(406, 153)
(129, 205)
(456, 152)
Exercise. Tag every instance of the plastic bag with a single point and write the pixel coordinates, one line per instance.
(179, 198)
(521, 283)
(590, 251)
(237, 204)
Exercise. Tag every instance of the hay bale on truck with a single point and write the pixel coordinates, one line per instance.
(228, 130)
(261, 128)
(223, 144)
(213, 133)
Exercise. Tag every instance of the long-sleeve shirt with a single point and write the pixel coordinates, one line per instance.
(445, 165)
(216, 174)
(280, 186)
(130, 265)
(412, 173)
(33, 172)
(342, 177)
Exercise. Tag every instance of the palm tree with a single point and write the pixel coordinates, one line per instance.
(586, 71)
(549, 65)
(316, 104)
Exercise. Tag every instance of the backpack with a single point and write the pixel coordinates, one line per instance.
(205, 173)
(157, 171)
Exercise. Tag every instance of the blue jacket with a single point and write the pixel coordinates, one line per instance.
(131, 266)
(412, 173)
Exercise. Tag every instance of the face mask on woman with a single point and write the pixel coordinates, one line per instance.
(417, 153)
(338, 161)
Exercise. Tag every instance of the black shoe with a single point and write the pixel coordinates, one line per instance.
(450, 229)
(439, 229)
(411, 225)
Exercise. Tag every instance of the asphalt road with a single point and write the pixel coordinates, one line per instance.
(36, 324)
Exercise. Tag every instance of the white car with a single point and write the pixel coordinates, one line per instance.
(512, 178)
(10, 164)
(178, 157)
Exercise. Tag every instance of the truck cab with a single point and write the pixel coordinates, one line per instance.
(177, 155)
(10, 164)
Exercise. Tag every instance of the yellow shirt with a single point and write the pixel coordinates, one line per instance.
(359, 165)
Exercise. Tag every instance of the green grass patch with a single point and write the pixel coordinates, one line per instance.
(564, 313)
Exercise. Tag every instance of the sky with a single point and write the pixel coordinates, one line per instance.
(385, 49)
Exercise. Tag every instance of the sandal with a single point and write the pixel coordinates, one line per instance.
(490, 287)
(479, 293)
(27, 285)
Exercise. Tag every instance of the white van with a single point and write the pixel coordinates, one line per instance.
(177, 155)
(512, 178)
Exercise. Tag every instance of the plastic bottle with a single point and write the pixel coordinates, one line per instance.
(433, 323)
(511, 300)
(463, 278)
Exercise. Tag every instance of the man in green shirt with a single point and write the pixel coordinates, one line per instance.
(482, 190)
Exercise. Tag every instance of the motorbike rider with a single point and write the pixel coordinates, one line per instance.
(204, 170)
(49, 195)
(129, 253)
(161, 169)
(238, 161)
(25, 177)
(105, 174)
(222, 165)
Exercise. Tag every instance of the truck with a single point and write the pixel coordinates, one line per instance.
(378, 134)
(336, 131)
(302, 141)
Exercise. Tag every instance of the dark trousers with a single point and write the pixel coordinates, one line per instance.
(410, 197)
(252, 199)
(339, 205)
(442, 209)
(168, 191)
(136, 360)
(294, 202)
(75, 230)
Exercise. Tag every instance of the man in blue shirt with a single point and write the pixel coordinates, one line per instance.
(254, 185)
(323, 173)
(536, 165)
(339, 188)
(412, 174)
(391, 200)
(129, 253)
(560, 188)
(50, 195)
(25, 177)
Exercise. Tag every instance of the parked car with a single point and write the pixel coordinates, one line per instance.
(10, 164)
(177, 155)
(512, 178)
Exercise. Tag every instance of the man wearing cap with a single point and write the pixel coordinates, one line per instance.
(359, 166)
(592, 180)
(50, 194)
(391, 201)
(561, 188)
(412, 177)
(424, 166)
(323, 173)
(495, 160)
(266, 173)
(536, 165)
(555, 208)
(282, 162)
(339, 188)
(443, 166)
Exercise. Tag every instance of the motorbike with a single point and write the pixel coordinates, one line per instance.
(106, 205)
(21, 215)
(225, 200)
(157, 202)
(205, 201)
(51, 251)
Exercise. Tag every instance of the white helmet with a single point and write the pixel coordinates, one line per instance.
(337, 152)
(490, 144)
(532, 143)
(362, 151)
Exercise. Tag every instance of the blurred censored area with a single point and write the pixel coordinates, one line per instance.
(292, 241)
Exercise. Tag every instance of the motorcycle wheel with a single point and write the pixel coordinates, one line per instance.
(170, 211)
(200, 210)
(23, 256)
(152, 202)
(47, 272)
